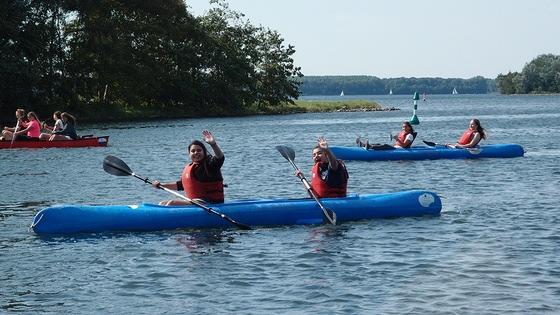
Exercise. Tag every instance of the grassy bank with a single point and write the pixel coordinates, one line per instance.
(314, 106)
(114, 112)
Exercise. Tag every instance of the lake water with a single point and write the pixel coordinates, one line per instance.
(495, 248)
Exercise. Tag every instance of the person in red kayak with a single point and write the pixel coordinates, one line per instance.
(28, 131)
(22, 122)
(329, 177)
(202, 177)
(58, 125)
(471, 137)
(68, 132)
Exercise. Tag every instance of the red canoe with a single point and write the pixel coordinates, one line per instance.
(79, 143)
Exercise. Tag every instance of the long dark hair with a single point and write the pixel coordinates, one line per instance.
(409, 125)
(479, 128)
(32, 113)
(71, 119)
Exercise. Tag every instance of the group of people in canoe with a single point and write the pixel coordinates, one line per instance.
(469, 139)
(202, 179)
(29, 127)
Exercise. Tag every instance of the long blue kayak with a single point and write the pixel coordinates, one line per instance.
(64, 219)
(429, 153)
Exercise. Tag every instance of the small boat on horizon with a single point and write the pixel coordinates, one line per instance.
(390, 91)
(342, 93)
(454, 91)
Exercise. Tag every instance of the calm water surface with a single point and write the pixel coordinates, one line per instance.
(495, 249)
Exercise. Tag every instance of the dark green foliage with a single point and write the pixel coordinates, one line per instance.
(103, 59)
(541, 75)
(370, 85)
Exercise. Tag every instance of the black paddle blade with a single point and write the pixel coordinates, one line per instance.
(430, 143)
(330, 216)
(115, 166)
(287, 152)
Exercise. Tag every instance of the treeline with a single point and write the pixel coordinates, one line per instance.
(541, 75)
(125, 57)
(371, 85)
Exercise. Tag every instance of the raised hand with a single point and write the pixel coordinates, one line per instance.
(208, 137)
(322, 142)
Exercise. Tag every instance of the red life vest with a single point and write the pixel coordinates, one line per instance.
(466, 137)
(212, 192)
(401, 139)
(322, 189)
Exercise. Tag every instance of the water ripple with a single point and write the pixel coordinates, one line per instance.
(494, 249)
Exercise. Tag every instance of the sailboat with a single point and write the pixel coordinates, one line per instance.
(342, 93)
(390, 91)
(454, 91)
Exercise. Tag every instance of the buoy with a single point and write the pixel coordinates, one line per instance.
(414, 119)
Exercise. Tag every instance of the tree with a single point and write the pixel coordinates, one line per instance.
(541, 75)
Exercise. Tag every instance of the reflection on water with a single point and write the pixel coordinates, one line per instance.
(203, 242)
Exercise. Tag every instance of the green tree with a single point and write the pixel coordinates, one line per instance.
(541, 75)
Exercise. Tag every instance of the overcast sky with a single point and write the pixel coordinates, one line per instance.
(408, 38)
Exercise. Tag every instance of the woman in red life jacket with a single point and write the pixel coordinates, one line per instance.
(201, 178)
(329, 175)
(405, 138)
(471, 137)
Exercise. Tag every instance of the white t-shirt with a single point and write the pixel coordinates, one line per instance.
(58, 125)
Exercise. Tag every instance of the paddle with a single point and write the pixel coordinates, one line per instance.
(14, 134)
(430, 143)
(471, 150)
(115, 166)
(289, 154)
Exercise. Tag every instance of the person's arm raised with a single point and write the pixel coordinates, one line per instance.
(209, 138)
(323, 144)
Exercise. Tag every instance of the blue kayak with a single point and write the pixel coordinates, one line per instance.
(429, 153)
(65, 219)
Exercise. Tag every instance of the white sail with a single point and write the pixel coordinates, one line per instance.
(454, 91)
(390, 91)
(342, 93)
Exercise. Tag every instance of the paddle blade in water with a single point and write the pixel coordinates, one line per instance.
(330, 216)
(430, 143)
(287, 152)
(115, 166)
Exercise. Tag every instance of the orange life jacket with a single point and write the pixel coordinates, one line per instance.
(466, 137)
(322, 189)
(212, 192)
(401, 139)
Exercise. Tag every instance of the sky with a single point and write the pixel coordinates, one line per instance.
(407, 38)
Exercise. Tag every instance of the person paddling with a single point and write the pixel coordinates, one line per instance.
(68, 132)
(21, 123)
(58, 125)
(202, 177)
(30, 130)
(329, 175)
(471, 137)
